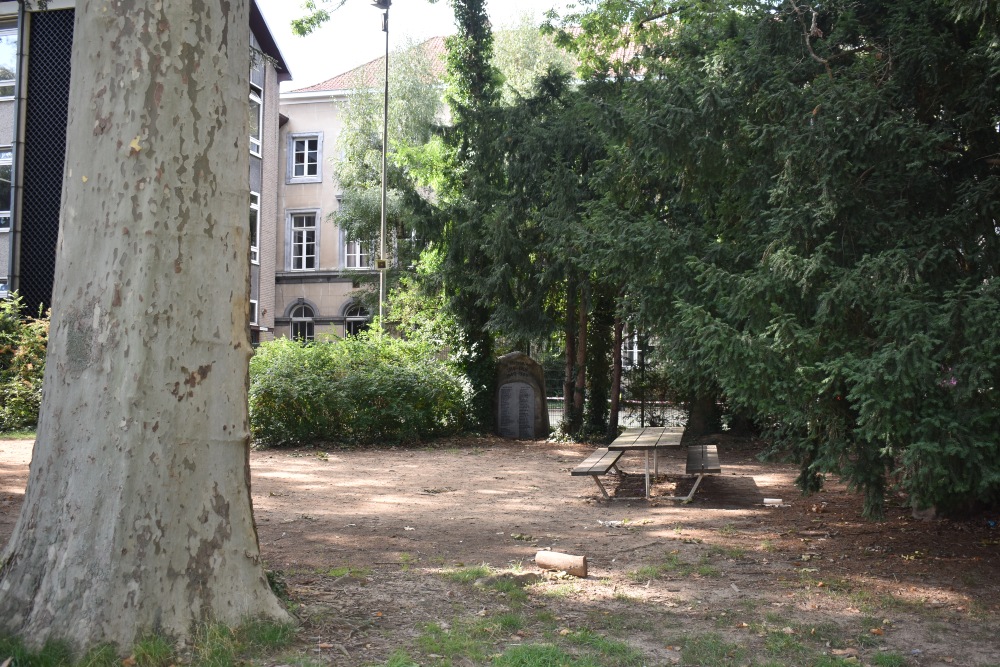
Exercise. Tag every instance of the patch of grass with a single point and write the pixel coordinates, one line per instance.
(728, 530)
(545, 617)
(514, 592)
(706, 569)
(406, 560)
(618, 651)
(347, 571)
(734, 553)
(560, 590)
(458, 641)
(710, 650)
(672, 564)
(153, 651)
(888, 660)
(104, 656)
(539, 655)
(767, 546)
(257, 635)
(467, 575)
(401, 659)
(785, 645)
(19, 434)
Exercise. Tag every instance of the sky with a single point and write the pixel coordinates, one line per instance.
(354, 36)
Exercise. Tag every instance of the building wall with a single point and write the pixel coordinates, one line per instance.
(328, 288)
(271, 152)
(6, 139)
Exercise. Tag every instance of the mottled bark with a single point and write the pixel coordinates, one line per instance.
(137, 515)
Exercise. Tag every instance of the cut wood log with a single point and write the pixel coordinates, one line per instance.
(568, 563)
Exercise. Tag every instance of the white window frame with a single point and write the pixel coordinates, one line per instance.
(306, 322)
(355, 257)
(293, 244)
(254, 227)
(290, 175)
(7, 160)
(253, 311)
(9, 84)
(256, 97)
(356, 319)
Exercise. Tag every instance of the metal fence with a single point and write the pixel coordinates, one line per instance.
(644, 400)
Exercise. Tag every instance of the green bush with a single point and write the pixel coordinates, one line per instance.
(357, 390)
(22, 365)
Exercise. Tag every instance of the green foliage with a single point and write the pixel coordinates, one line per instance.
(370, 388)
(22, 365)
(813, 202)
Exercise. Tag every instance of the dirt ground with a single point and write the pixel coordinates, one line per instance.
(364, 541)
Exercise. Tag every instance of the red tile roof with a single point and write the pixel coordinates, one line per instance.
(371, 73)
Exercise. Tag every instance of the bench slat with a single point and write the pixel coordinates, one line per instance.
(703, 459)
(597, 463)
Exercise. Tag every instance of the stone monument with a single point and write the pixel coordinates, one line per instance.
(521, 408)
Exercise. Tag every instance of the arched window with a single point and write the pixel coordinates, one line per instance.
(356, 320)
(302, 323)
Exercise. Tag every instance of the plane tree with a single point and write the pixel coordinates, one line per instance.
(137, 517)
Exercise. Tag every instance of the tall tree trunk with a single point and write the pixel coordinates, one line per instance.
(570, 335)
(580, 387)
(704, 417)
(137, 516)
(616, 377)
(600, 338)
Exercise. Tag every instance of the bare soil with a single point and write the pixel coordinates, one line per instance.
(661, 573)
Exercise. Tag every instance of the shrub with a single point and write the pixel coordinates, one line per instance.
(22, 365)
(357, 390)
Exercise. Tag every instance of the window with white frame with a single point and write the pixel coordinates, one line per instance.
(303, 327)
(255, 227)
(253, 311)
(356, 255)
(6, 178)
(256, 111)
(8, 62)
(305, 158)
(303, 241)
(356, 320)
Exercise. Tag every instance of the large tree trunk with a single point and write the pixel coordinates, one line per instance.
(616, 377)
(580, 388)
(137, 516)
(570, 358)
(599, 360)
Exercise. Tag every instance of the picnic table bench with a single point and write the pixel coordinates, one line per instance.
(599, 463)
(701, 459)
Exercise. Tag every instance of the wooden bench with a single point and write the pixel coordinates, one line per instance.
(599, 463)
(701, 460)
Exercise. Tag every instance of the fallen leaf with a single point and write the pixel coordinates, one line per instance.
(564, 632)
(325, 645)
(878, 631)
(844, 652)
(129, 661)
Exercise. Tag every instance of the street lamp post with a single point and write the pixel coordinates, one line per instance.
(381, 264)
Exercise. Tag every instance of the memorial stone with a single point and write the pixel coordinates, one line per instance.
(521, 408)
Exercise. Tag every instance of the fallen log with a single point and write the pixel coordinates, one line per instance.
(568, 563)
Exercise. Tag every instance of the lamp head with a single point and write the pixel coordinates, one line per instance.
(382, 4)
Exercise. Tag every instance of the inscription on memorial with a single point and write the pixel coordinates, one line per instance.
(517, 411)
(521, 409)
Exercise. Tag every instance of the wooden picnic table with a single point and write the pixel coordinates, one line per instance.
(701, 459)
(648, 439)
